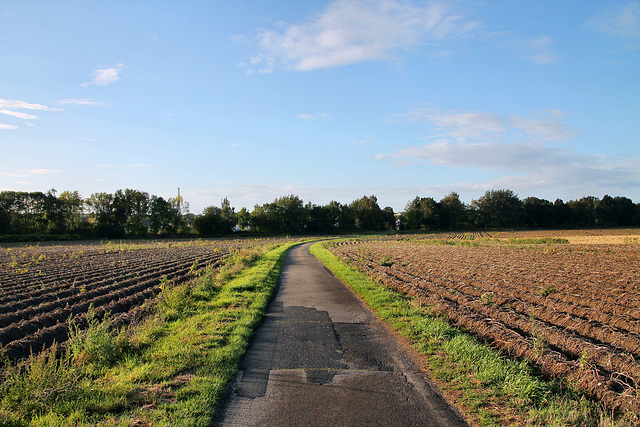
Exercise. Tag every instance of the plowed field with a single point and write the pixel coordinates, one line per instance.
(573, 310)
(42, 288)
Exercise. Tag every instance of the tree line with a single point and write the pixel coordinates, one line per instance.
(125, 213)
(134, 213)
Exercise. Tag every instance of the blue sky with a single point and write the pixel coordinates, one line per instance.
(328, 100)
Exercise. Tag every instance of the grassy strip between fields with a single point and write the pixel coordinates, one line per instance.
(171, 369)
(490, 388)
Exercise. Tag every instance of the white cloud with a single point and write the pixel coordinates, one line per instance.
(131, 165)
(621, 21)
(494, 145)
(539, 50)
(85, 101)
(8, 106)
(546, 129)
(106, 76)
(468, 124)
(42, 171)
(312, 116)
(14, 175)
(350, 31)
(18, 114)
(526, 166)
(21, 105)
(484, 155)
(476, 124)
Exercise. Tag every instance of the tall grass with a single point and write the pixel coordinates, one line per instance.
(171, 369)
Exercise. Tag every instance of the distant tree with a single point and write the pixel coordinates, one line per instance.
(244, 218)
(422, 213)
(625, 211)
(368, 213)
(72, 208)
(389, 218)
(538, 212)
(209, 223)
(583, 211)
(341, 217)
(137, 212)
(319, 221)
(6, 207)
(228, 216)
(260, 221)
(562, 216)
(606, 213)
(216, 220)
(105, 215)
(452, 212)
(499, 208)
(161, 216)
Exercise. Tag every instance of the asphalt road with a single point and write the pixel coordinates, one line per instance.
(320, 358)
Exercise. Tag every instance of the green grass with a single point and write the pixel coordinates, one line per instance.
(492, 389)
(537, 241)
(172, 369)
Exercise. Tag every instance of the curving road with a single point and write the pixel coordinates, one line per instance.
(320, 358)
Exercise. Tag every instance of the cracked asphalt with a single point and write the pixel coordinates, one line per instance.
(321, 358)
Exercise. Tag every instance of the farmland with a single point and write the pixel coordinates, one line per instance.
(567, 302)
(45, 288)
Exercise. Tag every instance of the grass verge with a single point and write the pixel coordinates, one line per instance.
(171, 369)
(491, 389)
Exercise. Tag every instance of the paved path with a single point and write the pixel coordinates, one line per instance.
(320, 358)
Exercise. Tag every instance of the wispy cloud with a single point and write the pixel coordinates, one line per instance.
(350, 31)
(18, 114)
(105, 76)
(476, 124)
(621, 21)
(494, 144)
(130, 165)
(14, 175)
(8, 107)
(22, 105)
(29, 173)
(43, 171)
(539, 51)
(312, 116)
(85, 101)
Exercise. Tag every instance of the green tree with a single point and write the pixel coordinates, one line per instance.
(561, 213)
(606, 213)
(452, 212)
(422, 213)
(583, 211)
(244, 218)
(538, 212)
(625, 211)
(136, 208)
(367, 213)
(72, 208)
(164, 215)
(319, 221)
(216, 220)
(499, 208)
(341, 217)
(104, 215)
